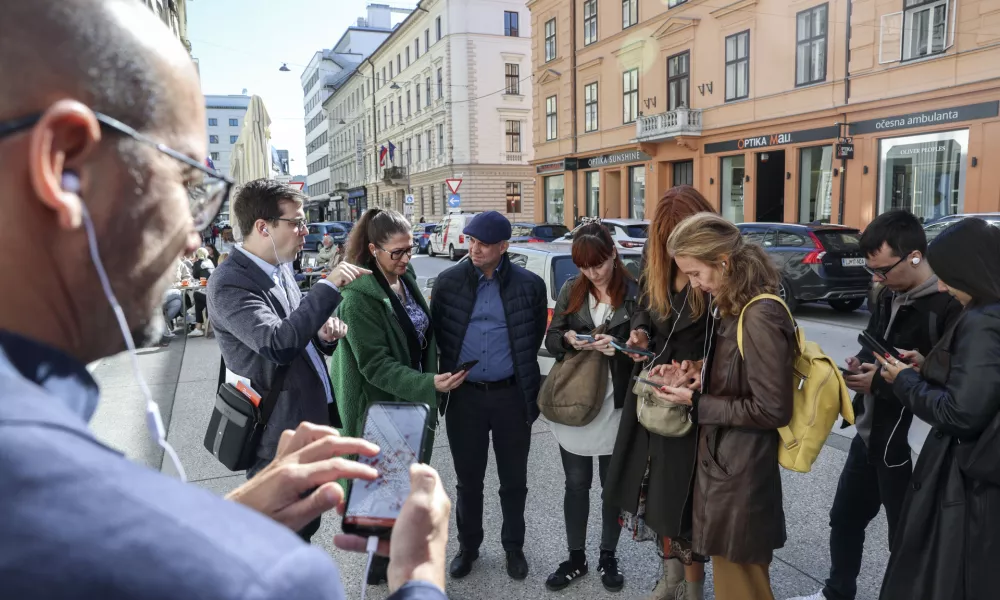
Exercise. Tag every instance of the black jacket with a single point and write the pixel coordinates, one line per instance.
(525, 305)
(918, 326)
(671, 460)
(581, 322)
(947, 543)
(202, 268)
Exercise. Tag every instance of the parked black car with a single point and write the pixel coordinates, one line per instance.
(819, 263)
(537, 232)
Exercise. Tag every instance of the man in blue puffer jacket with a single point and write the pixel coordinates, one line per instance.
(490, 310)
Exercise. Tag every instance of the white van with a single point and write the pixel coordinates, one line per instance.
(448, 238)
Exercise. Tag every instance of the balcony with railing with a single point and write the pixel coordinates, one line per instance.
(394, 175)
(512, 157)
(666, 125)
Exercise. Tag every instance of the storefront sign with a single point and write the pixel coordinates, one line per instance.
(775, 139)
(984, 110)
(845, 151)
(567, 164)
(617, 158)
(356, 193)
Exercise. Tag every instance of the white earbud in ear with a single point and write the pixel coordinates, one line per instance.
(264, 230)
(70, 182)
(916, 260)
(723, 263)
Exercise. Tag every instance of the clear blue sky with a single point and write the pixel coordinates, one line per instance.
(242, 43)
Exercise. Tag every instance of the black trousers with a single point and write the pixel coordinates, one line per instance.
(861, 492)
(576, 501)
(472, 414)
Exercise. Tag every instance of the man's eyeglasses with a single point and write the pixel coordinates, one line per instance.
(883, 273)
(397, 254)
(297, 224)
(205, 196)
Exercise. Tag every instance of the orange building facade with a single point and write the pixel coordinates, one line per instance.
(776, 110)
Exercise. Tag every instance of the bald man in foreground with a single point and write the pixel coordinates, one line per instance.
(102, 128)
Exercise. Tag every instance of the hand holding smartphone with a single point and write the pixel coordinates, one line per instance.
(631, 350)
(466, 366)
(878, 346)
(589, 339)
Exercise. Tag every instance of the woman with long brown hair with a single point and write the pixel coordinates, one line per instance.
(601, 298)
(650, 475)
(742, 400)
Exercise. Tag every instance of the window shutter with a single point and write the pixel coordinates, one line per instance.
(891, 38)
(952, 13)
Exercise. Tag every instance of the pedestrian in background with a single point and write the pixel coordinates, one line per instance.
(202, 268)
(737, 517)
(325, 255)
(492, 311)
(651, 476)
(947, 541)
(389, 353)
(603, 295)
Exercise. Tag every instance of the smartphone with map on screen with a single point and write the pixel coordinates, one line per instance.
(398, 429)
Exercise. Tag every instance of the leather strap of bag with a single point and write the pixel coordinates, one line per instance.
(269, 401)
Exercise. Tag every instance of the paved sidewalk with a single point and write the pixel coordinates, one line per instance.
(183, 376)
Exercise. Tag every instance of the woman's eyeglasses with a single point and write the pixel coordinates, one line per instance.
(397, 254)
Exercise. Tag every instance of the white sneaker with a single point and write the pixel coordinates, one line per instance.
(817, 596)
(196, 333)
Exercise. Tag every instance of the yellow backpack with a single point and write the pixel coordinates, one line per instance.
(820, 396)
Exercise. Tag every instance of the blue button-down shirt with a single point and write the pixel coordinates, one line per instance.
(276, 275)
(486, 339)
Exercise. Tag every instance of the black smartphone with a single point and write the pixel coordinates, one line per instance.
(648, 382)
(398, 429)
(632, 350)
(847, 372)
(466, 366)
(583, 337)
(877, 345)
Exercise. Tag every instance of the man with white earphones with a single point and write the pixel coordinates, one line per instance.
(101, 147)
(911, 315)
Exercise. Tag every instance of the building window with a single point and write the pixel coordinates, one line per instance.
(810, 45)
(738, 66)
(390, 70)
(399, 101)
(925, 27)
(733, 169)
(430, 151)
(589, 22)
(444, 199)
(428, 91)
(924, 174)
(437, 25)
(590, 107)
(214, 156)
(420, 149)
(233, 138)
(550, 40)
(399, 63)
(551, 119)
(510, 24)
(513, 136)
(417, 89)
(427, 40)
(637, 191)
(407, 56)
(555, 191)
(416, 49)
(213, 139)
(234, 122)
(630, 13)
(213, 122)
(683, 173)
(409, 110)
(383, 76)
(630, 96)
(440, 84)
(440, 140)
(392, 113)
(514, 197)
(679, 81)
(815, 184)
(513, 77)
(673, 3)
(592, 188)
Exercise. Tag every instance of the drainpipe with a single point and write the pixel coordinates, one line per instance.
(573, 127)
(843, 126)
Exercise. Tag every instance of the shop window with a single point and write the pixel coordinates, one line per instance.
(593, 189)
(590, 107)
(555, 191)
(679, 81)
(637, 192)
(589, 22)
(810, 45)
(815, 184)
(731, 179)
(738, 66)
(924, 174)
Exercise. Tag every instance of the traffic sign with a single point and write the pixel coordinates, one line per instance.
(453, 185)
(454, 201)
(408, 199)
(408, 210)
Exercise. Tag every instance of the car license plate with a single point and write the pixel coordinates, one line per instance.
(853, 262)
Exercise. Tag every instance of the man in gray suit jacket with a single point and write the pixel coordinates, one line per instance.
(262, 321)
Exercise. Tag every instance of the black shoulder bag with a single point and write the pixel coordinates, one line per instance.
(236, 426)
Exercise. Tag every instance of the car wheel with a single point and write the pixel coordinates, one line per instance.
(430, 250)
(451, 253)
(847, 306)
(785, 293)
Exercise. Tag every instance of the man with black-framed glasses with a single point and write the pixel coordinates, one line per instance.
(102, 139)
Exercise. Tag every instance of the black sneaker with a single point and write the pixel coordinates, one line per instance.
(567, 573)
(611, 577)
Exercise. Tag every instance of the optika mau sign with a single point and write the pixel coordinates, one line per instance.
(774, 139)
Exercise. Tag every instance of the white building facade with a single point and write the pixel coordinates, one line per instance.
(325, 72)
(225, 120)
(450, 92)
(173, 13)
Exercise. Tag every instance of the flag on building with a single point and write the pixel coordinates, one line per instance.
(392, 153)
(381, 156)
(209, 163)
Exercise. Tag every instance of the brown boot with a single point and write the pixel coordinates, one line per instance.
(690, 590)
(673, 577)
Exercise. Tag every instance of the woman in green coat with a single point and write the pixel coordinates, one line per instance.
(389, 353)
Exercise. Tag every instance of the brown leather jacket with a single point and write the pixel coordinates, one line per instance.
(737, 510)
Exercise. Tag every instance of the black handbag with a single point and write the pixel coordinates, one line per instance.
(236, 426)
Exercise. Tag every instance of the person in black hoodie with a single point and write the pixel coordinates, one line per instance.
(947, 542)
(910, 313)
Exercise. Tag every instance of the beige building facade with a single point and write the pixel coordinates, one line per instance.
(776, 110)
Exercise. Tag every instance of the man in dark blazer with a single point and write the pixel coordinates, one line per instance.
(262, 321)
